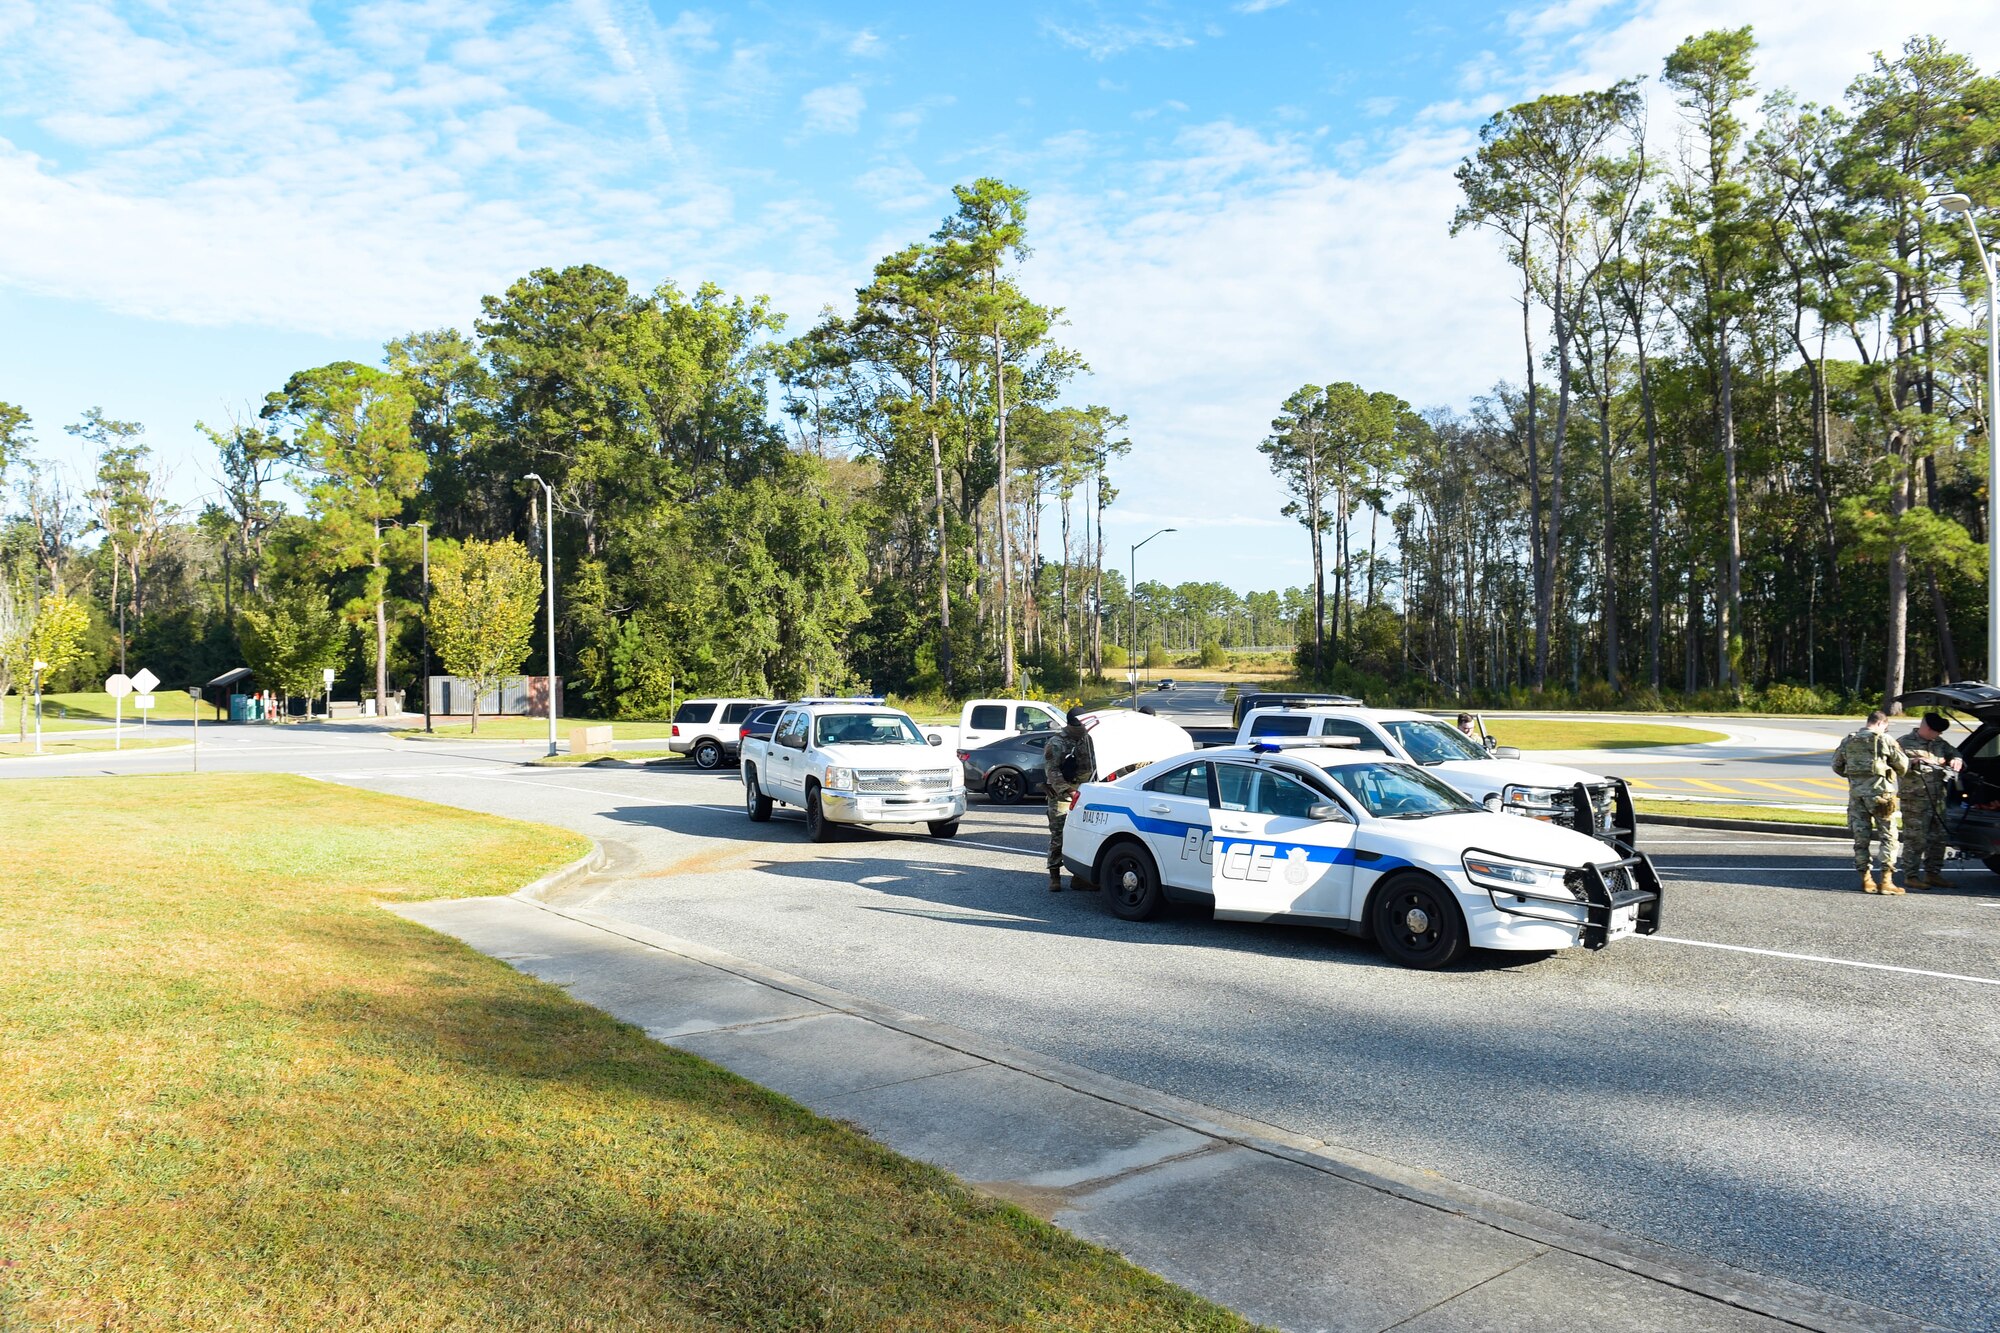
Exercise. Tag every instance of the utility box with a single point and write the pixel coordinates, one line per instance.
(589, 740)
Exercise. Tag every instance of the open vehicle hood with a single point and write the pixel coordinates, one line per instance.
(1496, 774)
(1972, 697)
(1123, 739)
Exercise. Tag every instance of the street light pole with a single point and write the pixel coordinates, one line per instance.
(1132, 600)
(549, 560)
(1961, 204)
(427, 629)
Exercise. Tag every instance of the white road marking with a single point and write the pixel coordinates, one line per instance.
(1818, 958)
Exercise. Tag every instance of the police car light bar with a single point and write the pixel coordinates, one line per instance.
(1274, 745)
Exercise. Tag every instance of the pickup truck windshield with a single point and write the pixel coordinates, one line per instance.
(1397, 791)
(1433, 742)
(865, 729)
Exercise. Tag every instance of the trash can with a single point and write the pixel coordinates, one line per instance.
(239, 708)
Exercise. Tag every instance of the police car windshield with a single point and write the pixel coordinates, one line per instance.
(865, 729)
(1397, 791)
(1433, 742)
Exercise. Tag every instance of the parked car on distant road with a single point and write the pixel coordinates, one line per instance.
(1166, 683)
(708, 729)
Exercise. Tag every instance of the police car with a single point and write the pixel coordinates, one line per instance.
(1315, 832)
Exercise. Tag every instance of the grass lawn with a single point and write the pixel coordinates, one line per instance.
(71, 742)
(240, 1094)
(97, 706)
(535, 729)
(1535, 734)
(1715, 810)
(635, 756)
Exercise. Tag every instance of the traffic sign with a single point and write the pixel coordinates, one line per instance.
(326, 674)
(144, 702)
(119, 686)
(144, 681)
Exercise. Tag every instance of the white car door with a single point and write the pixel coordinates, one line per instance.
(788, 758)
(1271, 856)
(1172, 817)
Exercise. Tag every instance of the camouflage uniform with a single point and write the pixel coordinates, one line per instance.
(1872, 764)
(1922, 794)
(1071, 744)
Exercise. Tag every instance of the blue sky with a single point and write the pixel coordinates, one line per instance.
(1229, 199)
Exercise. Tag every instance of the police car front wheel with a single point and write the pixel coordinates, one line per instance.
(1417, 922)
(1131, 882)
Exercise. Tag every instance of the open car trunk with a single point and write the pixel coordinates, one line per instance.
(1972, 801)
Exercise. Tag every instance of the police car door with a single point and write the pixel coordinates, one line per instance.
(1271, 856)
(1172, 817)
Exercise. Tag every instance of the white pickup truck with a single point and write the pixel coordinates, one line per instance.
(986, 720)
(849, 763)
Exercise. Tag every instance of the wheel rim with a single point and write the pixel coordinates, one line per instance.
(1416, 921)
(707, 754)
(1128, 881)
(1006, 788)
(750, 798)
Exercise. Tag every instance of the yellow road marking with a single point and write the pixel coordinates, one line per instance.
(1788, 790)
(1713, 786)
(1834, 783)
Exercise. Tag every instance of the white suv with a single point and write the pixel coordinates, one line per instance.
(707, 728)
(1496, 778)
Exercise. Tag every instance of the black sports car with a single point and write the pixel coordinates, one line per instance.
(1008, 770)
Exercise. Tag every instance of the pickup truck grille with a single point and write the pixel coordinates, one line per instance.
(895, 783)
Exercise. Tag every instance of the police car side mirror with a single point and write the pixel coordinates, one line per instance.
(1327, 812)
(1504, 752)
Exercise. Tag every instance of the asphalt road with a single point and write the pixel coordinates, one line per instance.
(1798, 1080)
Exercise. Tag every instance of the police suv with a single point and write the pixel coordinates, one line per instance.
(1316, 832)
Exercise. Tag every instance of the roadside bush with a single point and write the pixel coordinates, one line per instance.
(1156, 656)
(1785, 697)
(1212, 657)
(1114, 657)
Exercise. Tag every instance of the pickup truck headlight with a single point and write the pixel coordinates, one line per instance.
(1494, 872)
(840, 779)
(1534, 802)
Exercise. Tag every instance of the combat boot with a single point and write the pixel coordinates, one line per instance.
(1868, 884)
(1887, 883)
(1934, 879)
(1055, 881)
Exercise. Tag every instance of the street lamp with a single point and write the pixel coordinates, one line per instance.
(1132, 599)
(549, 560)
(38, 667)
(426, 672)
(1958, 203)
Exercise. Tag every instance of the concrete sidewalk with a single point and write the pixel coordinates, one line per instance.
(1289, 1231)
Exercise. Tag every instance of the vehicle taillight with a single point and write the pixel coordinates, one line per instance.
(964, 755)
(677, 731)
(1073, 796)
(742, 734)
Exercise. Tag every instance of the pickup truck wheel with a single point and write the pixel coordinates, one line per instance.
(755, 803)
(818, 827)
(708, 754)
(1005, 787)
(1417, 922)
(943, 828)
(1131, 882)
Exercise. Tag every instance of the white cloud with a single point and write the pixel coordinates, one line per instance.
(1102, 39)
(865, 44)
(833, 110)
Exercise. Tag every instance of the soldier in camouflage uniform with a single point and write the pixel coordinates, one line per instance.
(1872, 765)
(1068, 761)
(1922, 794)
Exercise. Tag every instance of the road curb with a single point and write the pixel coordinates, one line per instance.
(1746, 825)
(1775, 1298)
